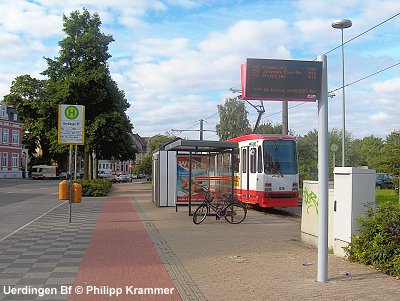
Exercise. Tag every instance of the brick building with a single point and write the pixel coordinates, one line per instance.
(12, 156)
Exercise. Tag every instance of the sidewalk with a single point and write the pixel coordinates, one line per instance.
(125, 242)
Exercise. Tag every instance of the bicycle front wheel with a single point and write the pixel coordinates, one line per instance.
(235, 213)
(200, 214)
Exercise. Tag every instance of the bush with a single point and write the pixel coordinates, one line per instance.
(379, 241)
(95, 187)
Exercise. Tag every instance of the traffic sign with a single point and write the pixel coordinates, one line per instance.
(71, 124)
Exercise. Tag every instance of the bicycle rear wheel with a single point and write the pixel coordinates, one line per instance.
(235, 213)
(200, 214)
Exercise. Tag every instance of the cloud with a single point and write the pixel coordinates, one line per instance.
(264, 38)
(380, 117)
(177, 59)
(150, 114)
(185, 3)
(173, 65)
(28, 18)
(388, 87)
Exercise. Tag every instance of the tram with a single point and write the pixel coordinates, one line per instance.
(267, 173)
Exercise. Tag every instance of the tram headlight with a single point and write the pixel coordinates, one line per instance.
(295, 186)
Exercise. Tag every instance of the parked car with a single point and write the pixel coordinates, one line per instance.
(111, 177)
(383, 180)
(123, 178)
(63, 175)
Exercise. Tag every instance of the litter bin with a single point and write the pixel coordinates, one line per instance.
(76, 193)
(63, 190)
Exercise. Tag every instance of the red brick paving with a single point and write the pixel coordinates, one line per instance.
(120, 255)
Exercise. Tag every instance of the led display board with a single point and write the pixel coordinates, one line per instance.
(268, 79)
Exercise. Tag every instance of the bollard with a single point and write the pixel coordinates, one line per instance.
(76, 192)
(63, 190)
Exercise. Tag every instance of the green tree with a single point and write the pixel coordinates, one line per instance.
(308, 153)
(390, 160)
(366, 152)
(233, 119)
(269, 128)
(80, 75)
(38, 115)
(307, 147)
(153, 145)
(158, 141)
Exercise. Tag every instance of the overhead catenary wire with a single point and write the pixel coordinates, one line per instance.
(356, 81)
(349, 84)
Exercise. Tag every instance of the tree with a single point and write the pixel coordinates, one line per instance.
(269, 128)
(390, 160)
(38, 115)
(366, 152)
(307, 147)
(80, 75)
(153, 145)
(233, 119)
(158, 141)
(308, 153)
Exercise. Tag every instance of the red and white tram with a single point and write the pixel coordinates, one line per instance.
(268, 172)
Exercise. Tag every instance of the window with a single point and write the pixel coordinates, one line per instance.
(15, 137)
(280, 157)
(259, 161)
(14, 160)
(15, 116)
(244, 160)
(4, 162)
(5, 136)
(3, 112)
(1, 136)
(253, 158)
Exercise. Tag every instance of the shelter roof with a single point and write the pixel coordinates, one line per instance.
(200, 145)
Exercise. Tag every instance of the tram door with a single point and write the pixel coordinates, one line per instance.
(251, 169)
(244, 169)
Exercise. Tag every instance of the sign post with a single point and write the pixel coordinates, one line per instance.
(71, 130)
(323, 175)
(290, 80)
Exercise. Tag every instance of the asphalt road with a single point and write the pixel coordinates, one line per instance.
(24, 200)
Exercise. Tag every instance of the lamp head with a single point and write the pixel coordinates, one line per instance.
(342, 24)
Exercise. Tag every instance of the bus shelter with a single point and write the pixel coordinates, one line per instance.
(198, 162)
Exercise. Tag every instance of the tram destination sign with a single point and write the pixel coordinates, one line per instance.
(268, 79)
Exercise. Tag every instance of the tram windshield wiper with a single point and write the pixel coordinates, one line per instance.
(278, 172)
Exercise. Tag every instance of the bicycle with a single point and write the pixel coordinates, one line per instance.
(232, 210)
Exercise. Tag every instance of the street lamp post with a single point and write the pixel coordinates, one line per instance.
(342, 24)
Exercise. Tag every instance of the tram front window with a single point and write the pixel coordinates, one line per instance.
(280, 157)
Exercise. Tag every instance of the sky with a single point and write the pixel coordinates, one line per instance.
(177, 60)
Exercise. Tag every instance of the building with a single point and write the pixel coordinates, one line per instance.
(125, 167)
(114, 166)
(140, 144)
(13, 156)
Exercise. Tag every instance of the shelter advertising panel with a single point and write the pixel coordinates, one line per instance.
(199, 168)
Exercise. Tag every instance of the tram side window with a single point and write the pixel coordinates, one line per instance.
(259, 161)
(236, 161)
(253, 158)
(244, 160)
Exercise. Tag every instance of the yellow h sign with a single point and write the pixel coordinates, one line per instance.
(71, 112)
